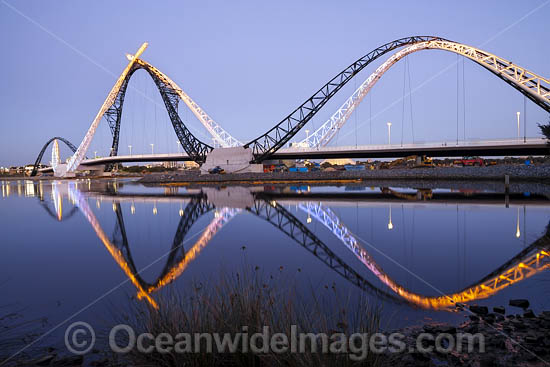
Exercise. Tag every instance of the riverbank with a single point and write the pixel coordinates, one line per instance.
(517, 173)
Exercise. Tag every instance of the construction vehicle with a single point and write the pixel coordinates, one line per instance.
(411, 161)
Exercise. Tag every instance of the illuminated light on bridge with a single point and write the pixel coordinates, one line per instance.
(532, 261)
(57, 201)
(518, 233)
(113, 250)
(220, 219)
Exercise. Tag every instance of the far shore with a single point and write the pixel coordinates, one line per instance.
(516, 173)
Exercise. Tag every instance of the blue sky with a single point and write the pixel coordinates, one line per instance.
(250, 63)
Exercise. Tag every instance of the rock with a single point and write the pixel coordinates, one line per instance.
(521, 303)
(479, 310)
(529, 314)
(499, 309)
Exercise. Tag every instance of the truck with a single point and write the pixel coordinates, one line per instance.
(469, 161)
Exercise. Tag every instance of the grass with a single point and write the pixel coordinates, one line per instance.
(254, 299)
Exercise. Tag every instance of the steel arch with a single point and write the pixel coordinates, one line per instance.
(534, 87)
(41, 154)
(195, 148)
(531, 85)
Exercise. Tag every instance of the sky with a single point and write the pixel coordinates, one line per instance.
(250, 63)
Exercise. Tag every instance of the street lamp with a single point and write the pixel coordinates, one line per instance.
(307, 134)
(518, 113)
(178, 143)
(389, 132)
(95, 154)
(152, 148)
(130, 147)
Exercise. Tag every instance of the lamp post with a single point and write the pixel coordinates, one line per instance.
(389, 132)
(179, 143)
(130, 147)
(95, 154)
(517, 114)
(152, 148)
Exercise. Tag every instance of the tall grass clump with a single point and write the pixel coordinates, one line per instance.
(251, 299)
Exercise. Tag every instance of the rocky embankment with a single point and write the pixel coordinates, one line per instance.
(513, 339)
(540, 173)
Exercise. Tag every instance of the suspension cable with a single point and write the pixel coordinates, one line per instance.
(410, 98)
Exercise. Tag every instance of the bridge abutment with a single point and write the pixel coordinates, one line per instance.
(231, 160)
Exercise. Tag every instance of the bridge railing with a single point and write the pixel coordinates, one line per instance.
(471, 143)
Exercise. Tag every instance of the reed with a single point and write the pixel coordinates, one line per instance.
(254, 299)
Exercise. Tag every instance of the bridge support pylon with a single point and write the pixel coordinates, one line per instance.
(231, 160)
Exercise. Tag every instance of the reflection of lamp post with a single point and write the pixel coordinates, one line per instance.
(155, 208)
(152, 148)
(133, 208)
(181, 211)
(389, 132)
(518, 233)
(308, 218)
(518, 113)
(390, 224)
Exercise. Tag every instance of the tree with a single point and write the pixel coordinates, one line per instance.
(545, 130)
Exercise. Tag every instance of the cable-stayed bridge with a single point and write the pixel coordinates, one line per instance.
(237, 157)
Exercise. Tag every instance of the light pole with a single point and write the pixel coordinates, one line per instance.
(152, 148)
(518, 113)
(307, 134)
(178, 142)
(130, 147)
(389, 132)
(95, 154)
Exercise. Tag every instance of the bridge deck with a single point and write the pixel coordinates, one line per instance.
(508, 147)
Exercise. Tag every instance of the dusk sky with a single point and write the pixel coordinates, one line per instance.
(250, 63)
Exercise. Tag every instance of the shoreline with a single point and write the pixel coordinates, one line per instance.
(517, 173)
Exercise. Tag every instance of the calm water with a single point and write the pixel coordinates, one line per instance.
(87, 247)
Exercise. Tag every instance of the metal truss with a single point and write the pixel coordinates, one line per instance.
(274, 139)
(287, 223)
(192, 146)
(222, 137)
(195, 148)
(41, 154)
(533, 86)
(527, 263)
(194, 210)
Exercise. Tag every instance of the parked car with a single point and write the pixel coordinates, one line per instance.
(469, 161)
(216, 169)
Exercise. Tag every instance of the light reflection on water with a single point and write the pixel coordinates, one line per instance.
(416, 251)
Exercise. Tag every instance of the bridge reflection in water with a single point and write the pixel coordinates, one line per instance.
(226, 205)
